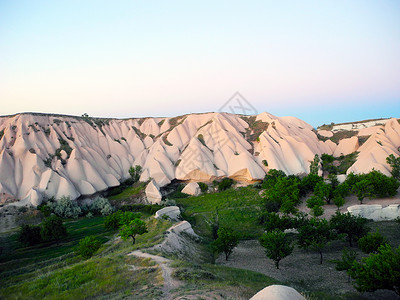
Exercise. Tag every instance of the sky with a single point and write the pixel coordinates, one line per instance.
(320, 61)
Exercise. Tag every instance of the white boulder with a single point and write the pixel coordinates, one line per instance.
(376, 212)
(153, 194)
(172, 212)
(192, 188)
(278, 292)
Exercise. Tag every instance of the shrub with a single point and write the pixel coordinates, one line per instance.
(53, 229)
(119, 218)
(65, 208)
(371, 242)
(378, 271)
(29, 235)
(395, 165)
(101, 206)
(135, 173)
(225, 184)
(203, 187)
(87, 247)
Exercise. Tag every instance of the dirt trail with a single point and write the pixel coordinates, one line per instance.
(164, 263)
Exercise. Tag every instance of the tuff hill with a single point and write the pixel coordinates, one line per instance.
(55, 155)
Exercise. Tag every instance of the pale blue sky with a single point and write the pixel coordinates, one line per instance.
(321, 61)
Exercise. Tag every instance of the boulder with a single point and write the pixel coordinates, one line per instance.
(192, 188)
(153, 194)
(376, 212)
(172, 212)
(278, 292)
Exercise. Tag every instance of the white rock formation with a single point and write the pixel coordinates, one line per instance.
(153, 194)
(171, 212)
(43, 156)
(346, 146)
(192, 188)
(278, 292)
(376, 212)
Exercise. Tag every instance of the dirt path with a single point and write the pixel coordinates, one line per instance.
(164, 263)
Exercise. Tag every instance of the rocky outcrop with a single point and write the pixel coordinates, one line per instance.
(376, 212)
(278, 292)
(170, 212)
(43, 156)
(192, 188)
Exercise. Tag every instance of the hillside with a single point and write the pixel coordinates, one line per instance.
(44, 156)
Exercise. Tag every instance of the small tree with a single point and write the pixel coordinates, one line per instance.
(29, 235)
(362, 189)
(339, 201)
(225, 184)
(353, 226)
(87, 246)
(314, 165)
(227, 241)
(277, 245)
(134, 227)
(315, 204)
(135, 173)
(371, 242)
(394, 163)
(316, 235)
(347, 261)
(324, 191)
(53, 229)
(378, 271)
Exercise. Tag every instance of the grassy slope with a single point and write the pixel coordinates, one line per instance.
(53, 272)
(238, 209)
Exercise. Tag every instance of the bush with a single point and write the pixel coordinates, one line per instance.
(371, 242)
(225, 184)
(87, 247)
(101, 206)
(53, 229)
(135, 173)
(203, 187)
(119, 218)
(29, 235)
(65, 208)
(378, 271)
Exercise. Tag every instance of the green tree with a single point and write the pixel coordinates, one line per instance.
(135, 227)
(354, 227)
(378, 271)
(29, 235)
(225, 184)
(87, 246)
(308, 183)
(362, 189)
(338, 201)
(277, 245)
(394, 163)
(227, 241)
(52, 229)
(371, 242)
(316, 235)
(314, 165)
(315, 204)
(324, 191)
(327, 164)
(347, 261)
(135, 173)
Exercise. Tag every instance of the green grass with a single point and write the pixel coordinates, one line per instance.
(49, 271)
(238, 209)
(128, 192)
(208, 277)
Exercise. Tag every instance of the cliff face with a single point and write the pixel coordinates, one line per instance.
(52, 156)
